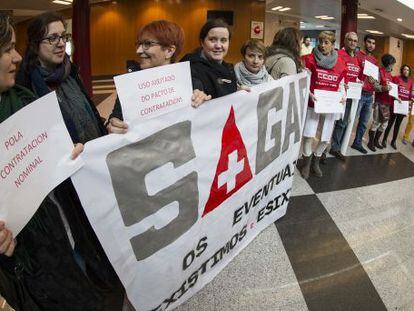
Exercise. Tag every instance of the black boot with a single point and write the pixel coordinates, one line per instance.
(316, 170)
(394, 144)
(370, 145)
(384, 142)
(376, 140)
(304, 171)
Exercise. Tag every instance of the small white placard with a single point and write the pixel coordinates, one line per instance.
(328, 102)
(401, 108)
(155, 91)
(35, 154)
(354, 90)
(394, 90)
(371, 70)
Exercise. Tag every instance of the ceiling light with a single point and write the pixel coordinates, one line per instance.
(277, 8)
(375, 32)
(328, 18)
(320, 16)
(409, 3)
(408, 36)
(302, 22)
(365, 16)
(284, 9)
(319, 26)
(399, 19)
(61, 2)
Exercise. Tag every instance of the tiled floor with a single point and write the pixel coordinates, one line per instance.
(346, 243)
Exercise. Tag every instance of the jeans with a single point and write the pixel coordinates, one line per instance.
(340, 127)
(364, 113)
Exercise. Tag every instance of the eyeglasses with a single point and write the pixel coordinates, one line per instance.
(146, 44)
(55, 38)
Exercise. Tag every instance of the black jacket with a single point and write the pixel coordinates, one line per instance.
(43, 274)
(212, 78)
(23, 79)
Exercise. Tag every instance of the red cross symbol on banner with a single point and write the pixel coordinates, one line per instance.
(233, 169)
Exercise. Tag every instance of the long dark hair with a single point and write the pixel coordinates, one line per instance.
(289, 38)
(36, 31)
(402, 69)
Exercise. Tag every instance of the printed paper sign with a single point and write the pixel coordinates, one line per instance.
(182, 194)
(394, 90)
(34, 159)
(152, 92)
(371, 70)
(354, 90)
(401, 107)
(256, 30)
(328, 102)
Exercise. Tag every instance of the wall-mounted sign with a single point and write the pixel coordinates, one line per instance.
(257, 29)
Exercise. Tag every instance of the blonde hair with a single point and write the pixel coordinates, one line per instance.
(327, 35)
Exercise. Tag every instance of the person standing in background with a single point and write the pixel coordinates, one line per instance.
(306, 47)
(349, 57)
(405, 86)
(367, 95)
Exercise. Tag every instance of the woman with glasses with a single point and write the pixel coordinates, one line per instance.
(159, 43)
(62, 263)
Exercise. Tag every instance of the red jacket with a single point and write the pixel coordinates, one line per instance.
(404, 88)
(352, 64)
(362, 56)
(325, 79)
(383, 97)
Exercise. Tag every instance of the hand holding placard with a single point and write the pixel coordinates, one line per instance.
(371, 70)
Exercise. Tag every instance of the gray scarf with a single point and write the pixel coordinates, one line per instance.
(325, 61)
(246, 77)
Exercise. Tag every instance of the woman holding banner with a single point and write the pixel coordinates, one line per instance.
(158, 43)
(56, 262)
(405, 86)
(209, 72)
(328, 72)
(251, 70)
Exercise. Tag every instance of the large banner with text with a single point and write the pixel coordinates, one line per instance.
(175, 199)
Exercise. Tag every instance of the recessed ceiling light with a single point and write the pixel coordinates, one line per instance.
(277, 8)
(365, 17)
(320, 16)
(328, 18)
(399, 19)
(408, 36)
(375, 32)
(61, 2)
(284, 9)
(319, 26)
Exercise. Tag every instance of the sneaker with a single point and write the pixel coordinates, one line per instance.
(337, 154)
(404, 141)
(360, 148)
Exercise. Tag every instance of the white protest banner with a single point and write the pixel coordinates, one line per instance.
(34, 159)
(394, 90)
(401, 107)
(371, 70)
(354, 90)
(181, 195)
(328, 102)
(152, 92)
